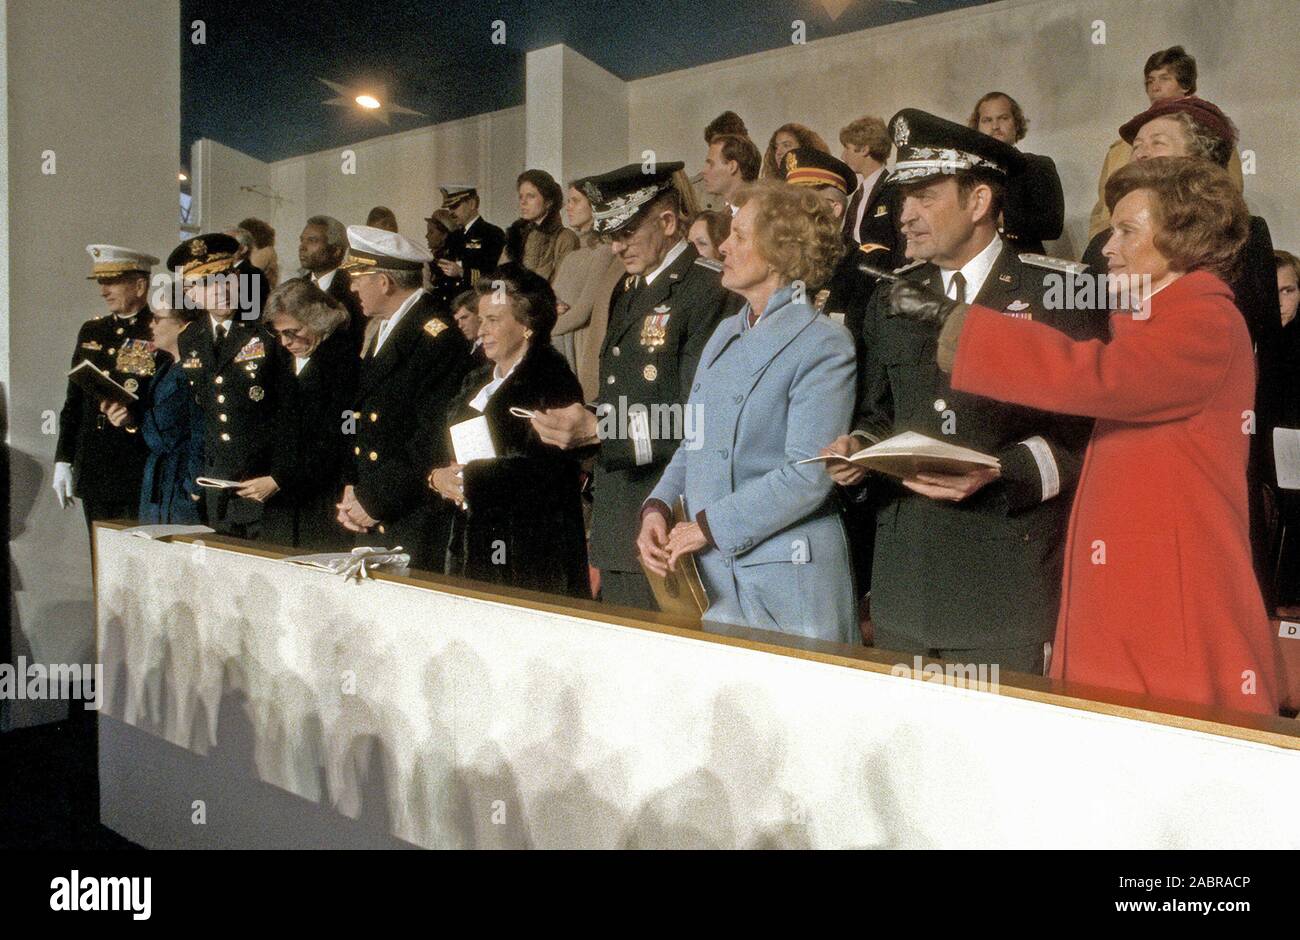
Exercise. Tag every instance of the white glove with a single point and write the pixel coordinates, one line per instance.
(63, 482)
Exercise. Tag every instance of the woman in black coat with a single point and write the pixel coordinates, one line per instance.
(312, 326)
(520, 519)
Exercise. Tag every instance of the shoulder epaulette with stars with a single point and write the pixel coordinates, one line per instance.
(434, 327)
(709, 263)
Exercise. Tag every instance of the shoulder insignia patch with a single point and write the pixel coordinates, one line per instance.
(880, 211)
(709, 263)
(869, 247)
(434, 327)
(1053, 264)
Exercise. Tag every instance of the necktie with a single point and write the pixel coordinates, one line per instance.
(222, 330)
(959, 288)
(851, 216)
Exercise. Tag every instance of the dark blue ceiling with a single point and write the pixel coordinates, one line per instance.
(253, 84)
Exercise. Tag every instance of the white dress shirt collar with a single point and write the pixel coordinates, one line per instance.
(324, 281)
(674, 253)
(866, 183)
(480, 401)
(386, 327)
(975, 271)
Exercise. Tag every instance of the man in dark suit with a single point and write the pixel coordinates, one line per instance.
(321, 247)
(966, 567)
(475, 247)
(464, 311)
(411, 370)
(242, 381)
(871, 216)
(668, 306)
(100, 464)
(1035, 205)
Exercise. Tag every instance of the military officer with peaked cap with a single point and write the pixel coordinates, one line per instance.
(966, 567)
(475, 247)
(846, 295)
(659, 321)
(242, 380)
(100, 464)
(412, 367)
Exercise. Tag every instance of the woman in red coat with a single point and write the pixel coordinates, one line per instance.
(1159, 595)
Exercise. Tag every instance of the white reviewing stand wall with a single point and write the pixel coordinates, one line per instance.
(251, 703)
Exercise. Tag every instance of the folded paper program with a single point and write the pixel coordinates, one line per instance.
(357, 563)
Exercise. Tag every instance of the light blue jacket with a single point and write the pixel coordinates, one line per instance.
(763, 398)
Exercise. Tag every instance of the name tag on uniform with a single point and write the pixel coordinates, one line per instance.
(92, 346)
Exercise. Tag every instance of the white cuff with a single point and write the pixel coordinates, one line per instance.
(1047, 469)
(638, 428)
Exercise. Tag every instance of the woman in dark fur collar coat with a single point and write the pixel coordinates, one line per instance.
(521, 514)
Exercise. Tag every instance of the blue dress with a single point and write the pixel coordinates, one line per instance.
(172, 427)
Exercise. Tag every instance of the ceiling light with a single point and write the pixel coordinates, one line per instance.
(368, 101)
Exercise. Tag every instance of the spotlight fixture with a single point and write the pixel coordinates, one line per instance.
(367, 102)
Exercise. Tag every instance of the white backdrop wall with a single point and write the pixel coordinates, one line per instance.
(402, 171)
(97, 86)
(1075, 93)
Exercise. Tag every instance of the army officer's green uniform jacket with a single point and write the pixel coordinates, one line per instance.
(984, 572)
(652, 346)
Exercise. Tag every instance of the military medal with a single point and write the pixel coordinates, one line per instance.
(654, 329)
(131, 385)
(256, 393)
(650, 373)
(136, 357)
(253, 349)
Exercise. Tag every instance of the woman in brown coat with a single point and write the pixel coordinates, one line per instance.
(538, 239)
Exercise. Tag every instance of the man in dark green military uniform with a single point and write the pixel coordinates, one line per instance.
(98, 463)
(966, 567)
(666, 310)
(243, 382)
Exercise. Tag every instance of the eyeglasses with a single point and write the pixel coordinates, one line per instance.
(291, 335)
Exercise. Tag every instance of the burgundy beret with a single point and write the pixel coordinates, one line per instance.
(1201, 111)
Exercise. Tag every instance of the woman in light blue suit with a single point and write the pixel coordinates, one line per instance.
(772, 382)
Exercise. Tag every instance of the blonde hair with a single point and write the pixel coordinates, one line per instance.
(795, 231)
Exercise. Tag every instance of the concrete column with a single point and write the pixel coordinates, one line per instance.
(576, 115)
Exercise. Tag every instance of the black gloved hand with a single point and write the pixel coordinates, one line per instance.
(915, 302)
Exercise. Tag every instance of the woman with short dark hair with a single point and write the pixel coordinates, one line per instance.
(1159, 595)
(520, 522)
(708, 231)
(170, 422)
(538, 239)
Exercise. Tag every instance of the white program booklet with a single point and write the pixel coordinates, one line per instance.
(910, 453)
(213, 483)
(472, 440)
(163, 531)
(1286, 454)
